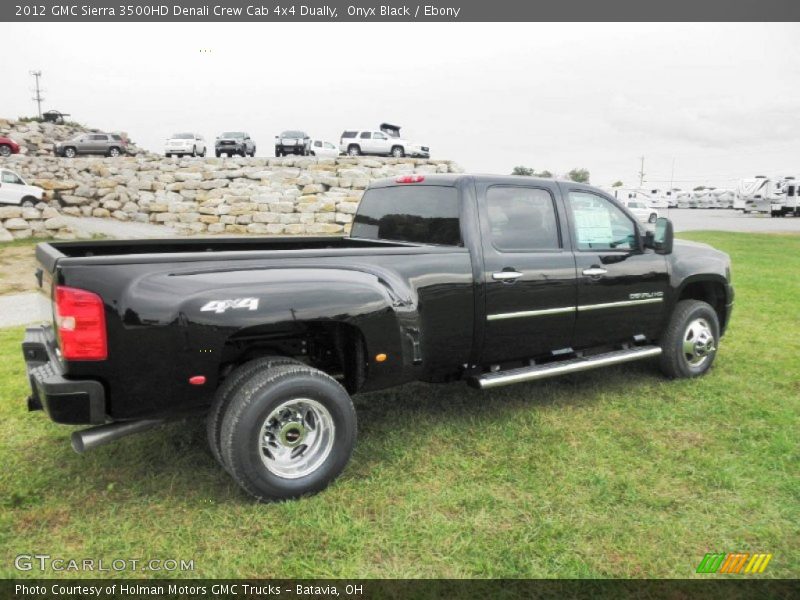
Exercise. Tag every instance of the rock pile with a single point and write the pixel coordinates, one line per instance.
(37, 139)
(270, 196)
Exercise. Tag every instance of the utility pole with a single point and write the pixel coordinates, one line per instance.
(672, 175)
(38, 97)
(641, 172)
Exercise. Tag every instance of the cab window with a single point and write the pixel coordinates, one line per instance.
(600, 225)
(522, 219)
(9, 177)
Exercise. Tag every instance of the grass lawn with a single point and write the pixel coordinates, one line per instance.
(613, 473)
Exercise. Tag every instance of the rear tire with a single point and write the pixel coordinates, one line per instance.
(225, 392)
(353, 150)
(689, 344)
(113, 152)
(70, 152)
(288, 432)
(398, 152)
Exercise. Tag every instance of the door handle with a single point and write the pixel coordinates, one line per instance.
(507, 276)
(594, 271)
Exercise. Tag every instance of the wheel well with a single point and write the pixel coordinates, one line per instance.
(338, 349)
(711, 292)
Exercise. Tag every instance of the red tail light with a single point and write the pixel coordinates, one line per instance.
(410, 179)
(81, 323)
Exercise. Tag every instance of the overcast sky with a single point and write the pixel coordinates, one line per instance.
(722, 101)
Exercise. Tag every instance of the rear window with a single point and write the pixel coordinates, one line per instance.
(349, 134)
(420, 214)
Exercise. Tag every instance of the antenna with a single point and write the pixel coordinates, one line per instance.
(38, 97)
(641, 172)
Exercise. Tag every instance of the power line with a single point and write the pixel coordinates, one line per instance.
(38, 97)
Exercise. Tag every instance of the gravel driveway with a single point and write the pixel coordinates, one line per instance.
(119, 229)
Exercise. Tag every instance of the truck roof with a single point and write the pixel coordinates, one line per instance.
(453, 179)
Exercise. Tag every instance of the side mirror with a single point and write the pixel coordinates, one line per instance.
(661, 238)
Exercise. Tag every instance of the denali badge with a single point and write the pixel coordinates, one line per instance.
(220, 306)
(644, 295)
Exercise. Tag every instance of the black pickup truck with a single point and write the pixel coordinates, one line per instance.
(491, 280)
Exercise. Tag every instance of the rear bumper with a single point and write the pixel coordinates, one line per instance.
(64, 400)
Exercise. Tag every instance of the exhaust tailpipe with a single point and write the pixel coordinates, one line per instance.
(93, 437)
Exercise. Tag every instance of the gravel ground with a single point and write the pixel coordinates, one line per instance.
(23, 309)
(688, 219)
(119, 229)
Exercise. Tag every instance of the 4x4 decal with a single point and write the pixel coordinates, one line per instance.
(220, 306)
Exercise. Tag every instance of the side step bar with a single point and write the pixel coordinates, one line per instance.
(572, 365)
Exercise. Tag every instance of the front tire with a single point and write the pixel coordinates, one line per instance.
(398, 152)
(689, 344)
(5, 150)
(288, 432)
(28, 202)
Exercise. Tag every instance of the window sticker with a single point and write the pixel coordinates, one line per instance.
(593, 226)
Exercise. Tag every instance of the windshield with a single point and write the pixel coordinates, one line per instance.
(293, 134)
(421, 214)
(233, 134)
(182, 136)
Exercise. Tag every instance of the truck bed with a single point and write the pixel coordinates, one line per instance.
(177, 249)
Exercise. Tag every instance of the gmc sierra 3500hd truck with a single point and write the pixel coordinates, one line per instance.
(492, 280)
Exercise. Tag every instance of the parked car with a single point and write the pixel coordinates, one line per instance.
(323, 149)
(235, 142)
(107, 144)
(356, 142)
(292, 142)
(8, 147)
(185, 144)
(641, 211)
(491, 280)
(14, 190)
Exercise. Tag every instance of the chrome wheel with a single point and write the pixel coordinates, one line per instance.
(698, 342)
(296, 438)
(114, 152)
(397, 152)
(69, 152)
(353, 151)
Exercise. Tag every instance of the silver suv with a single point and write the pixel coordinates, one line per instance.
(107, 144)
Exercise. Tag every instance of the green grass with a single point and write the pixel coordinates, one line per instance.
(614, 473)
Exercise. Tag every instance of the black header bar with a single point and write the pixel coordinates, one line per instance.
(281, 11)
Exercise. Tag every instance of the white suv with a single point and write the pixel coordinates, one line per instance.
(14, 190)
(357, 142)
(641, 211)
(183, 144)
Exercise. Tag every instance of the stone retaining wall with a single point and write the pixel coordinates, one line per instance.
(272, 196)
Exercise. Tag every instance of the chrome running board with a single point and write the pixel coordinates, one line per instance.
(572, 365)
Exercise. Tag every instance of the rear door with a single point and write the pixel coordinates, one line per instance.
(365, 141)
(621, 285)
(529, 272)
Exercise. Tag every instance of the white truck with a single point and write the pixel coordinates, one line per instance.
(15, 191)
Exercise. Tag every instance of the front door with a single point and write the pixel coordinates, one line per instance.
(622, 286)
(10, 188)
(529, 273)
